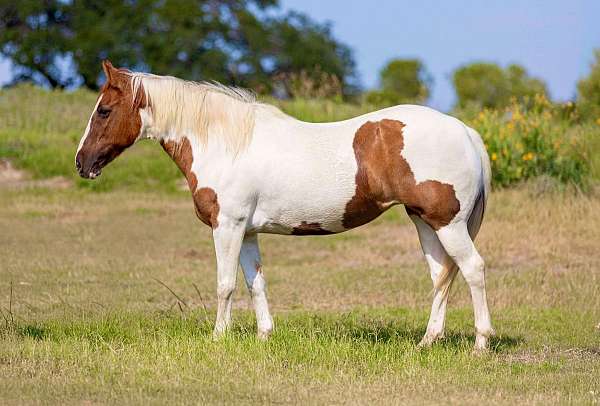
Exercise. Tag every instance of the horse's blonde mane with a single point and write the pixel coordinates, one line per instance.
(198, 110)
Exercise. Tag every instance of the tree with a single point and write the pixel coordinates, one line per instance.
(300, 45)
(588, 91)
(34, 44)
(402, 81)
(242, 42)
(487, 85)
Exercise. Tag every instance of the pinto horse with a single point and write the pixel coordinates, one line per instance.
(252, 169)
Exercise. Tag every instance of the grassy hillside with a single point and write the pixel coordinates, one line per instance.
(40, 129)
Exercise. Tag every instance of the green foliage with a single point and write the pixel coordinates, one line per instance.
(320, 111)
(242, 42)
(301, 45)
(540, 139)
(407, 78)
(402, 81)
(314, 84)
(588, 91)
(487, 85)
(382, 98)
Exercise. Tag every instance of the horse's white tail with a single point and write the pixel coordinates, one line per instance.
(445, 278)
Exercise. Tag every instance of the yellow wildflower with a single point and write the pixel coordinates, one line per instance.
(494, 156)
(528, 156)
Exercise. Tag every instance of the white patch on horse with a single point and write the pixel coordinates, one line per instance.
(146, 129)
(87, 128)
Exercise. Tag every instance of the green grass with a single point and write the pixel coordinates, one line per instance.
(319, 358)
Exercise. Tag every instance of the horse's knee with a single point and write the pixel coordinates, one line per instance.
(225, 290)
(473, 271)
(258, 285)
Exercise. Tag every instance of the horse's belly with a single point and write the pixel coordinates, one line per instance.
(306, 209)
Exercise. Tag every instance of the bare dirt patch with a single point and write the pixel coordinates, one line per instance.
(11, 177)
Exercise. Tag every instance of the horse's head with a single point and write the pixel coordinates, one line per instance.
(114, 125)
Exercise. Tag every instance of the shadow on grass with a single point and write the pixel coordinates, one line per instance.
(349, 327)
(35, 332)
(381, 331)
(454, 340)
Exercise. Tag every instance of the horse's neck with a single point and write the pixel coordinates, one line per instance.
(276, 137)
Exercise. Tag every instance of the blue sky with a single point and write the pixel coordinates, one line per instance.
(553, 39)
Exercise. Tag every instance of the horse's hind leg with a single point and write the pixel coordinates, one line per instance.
(458, 244)
(251, 265)
(442, 270)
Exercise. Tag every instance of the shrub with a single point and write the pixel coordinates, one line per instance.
(487, 85)
(382, 98)
(542, 139)
(588, 91)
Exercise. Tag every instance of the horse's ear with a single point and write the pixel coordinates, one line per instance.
(109, 70)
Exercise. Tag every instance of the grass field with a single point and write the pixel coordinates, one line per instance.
(107, 290)
(89, 321)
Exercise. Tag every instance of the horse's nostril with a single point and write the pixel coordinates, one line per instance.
(77, 164)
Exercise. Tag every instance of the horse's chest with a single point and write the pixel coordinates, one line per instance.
(205, 198)
(207, 206)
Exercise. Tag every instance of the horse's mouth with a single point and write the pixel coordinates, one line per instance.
(92, 168)
(94, 174)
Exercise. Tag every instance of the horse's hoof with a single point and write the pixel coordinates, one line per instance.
(479, 352)
(263, 335)
(424, 344)
(428, 340)
(482, 344)
(218, 335)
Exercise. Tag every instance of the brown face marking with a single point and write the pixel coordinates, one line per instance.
(310, 229)
(384, 176)
(116, 123)
(205, 199)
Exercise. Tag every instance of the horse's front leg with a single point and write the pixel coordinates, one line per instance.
(228, 238)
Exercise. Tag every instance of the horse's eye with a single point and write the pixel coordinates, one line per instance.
(103, 111)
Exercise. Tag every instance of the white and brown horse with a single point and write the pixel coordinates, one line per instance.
(253, 169)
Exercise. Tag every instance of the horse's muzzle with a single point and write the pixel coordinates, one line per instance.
(88, 171)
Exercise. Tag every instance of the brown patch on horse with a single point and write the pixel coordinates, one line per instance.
(310, 229)
(384, 178)
(181, 153)
(205, 199)
(207, 206)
